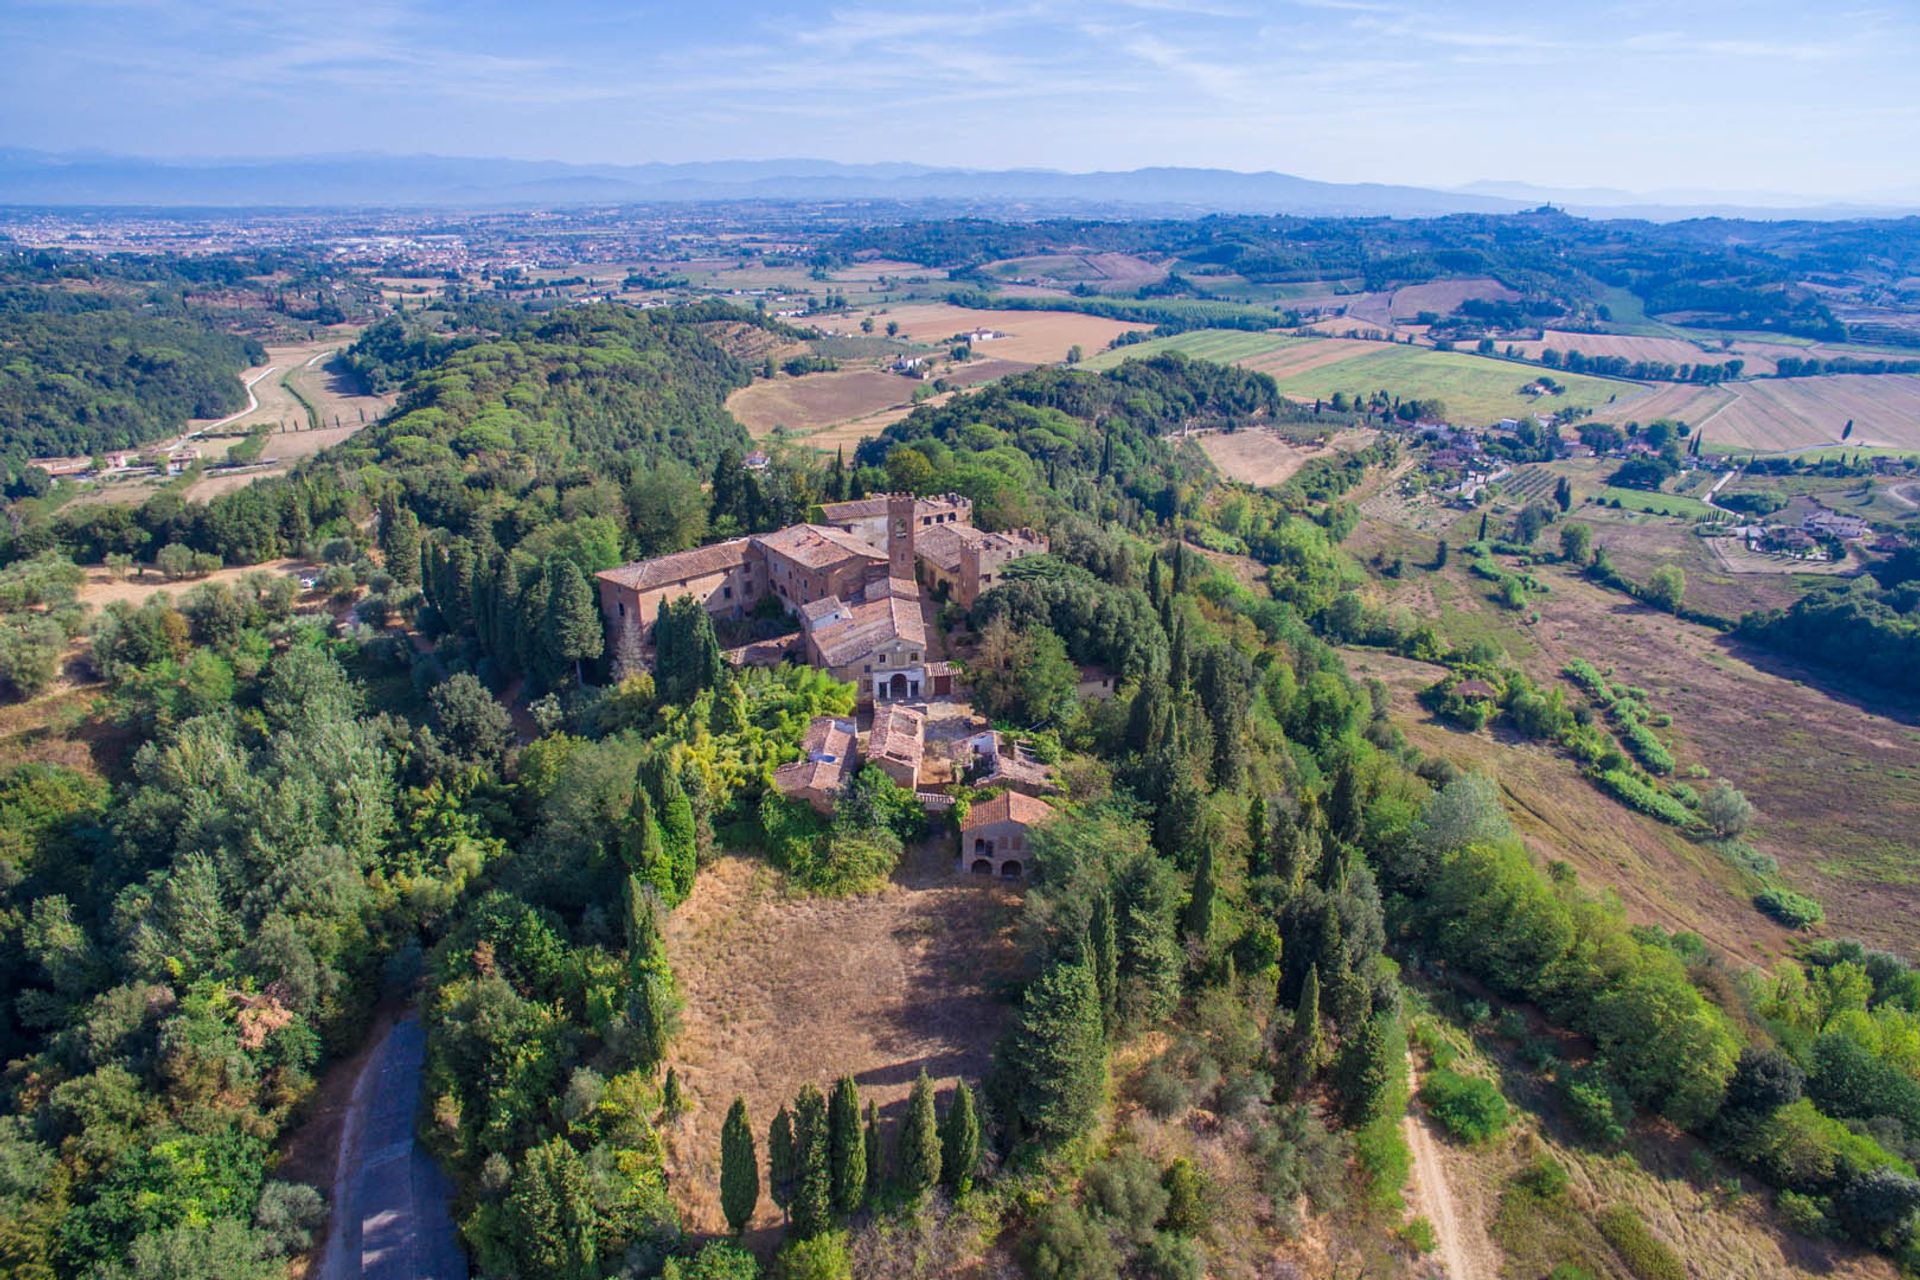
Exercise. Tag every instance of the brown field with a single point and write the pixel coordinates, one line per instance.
(1259, 456)
(1791, 413)
(1350, 325)
(1033, 337)
(818, 399)
(1299, 359)
(1444, 295)
(1671, 350)
(102, 588)
(782, 991)
(845, 435)
(1831, 778)
(1722, 576)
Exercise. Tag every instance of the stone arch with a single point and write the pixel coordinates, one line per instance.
(982, 866)
(1010, 869)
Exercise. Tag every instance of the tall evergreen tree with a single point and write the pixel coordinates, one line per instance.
(920, 1141)
(1309, 1043)
(1200, 905)
(652, 998)
(1104, 954)
(1347, 802)
(400, 540)
(812, 1206)
(1370, 1062)
(783, 1161)
(739, 1168)
(1054, 1059)
(847, 1150)
(959, 1141)
(1257, 830)
(574, 632)
(642, 847)
(876, 1155)
(679, 835)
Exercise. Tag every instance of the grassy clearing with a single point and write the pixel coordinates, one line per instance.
(1660, 504)
(1473, 388)
(1223, 346)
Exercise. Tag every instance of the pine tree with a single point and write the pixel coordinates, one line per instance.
(739, 1168)
(959, 1141)
(920, 1141)
(1309, 1044)
(783, 1160)
(847, 1150)
(679, 835)
(1104, 950)
(876, 1155)
(812, 1206)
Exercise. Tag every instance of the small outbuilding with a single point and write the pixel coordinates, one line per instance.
(995, 837)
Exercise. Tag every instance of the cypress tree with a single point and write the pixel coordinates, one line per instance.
(739, 1168)
(959, 1141)
(1199, 921)
(847, 1149)
(1370, 1062)
(1105, 954)
(1347, 803)
(1054, 1059)
(574, 632)
(812, 1206)
(651, 997)
(876, 1155)
(782, 1160)
(1257, 830)
(920, 1141)
(672, 1099)
(679, 835)
(400, 539)
(1309, 1048)
(642, 847)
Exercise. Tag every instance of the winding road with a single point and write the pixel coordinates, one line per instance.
(1433, 1198)
(391, 1217)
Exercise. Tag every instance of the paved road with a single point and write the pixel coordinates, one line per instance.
(391, 1219)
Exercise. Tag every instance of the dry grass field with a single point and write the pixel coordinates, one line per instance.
(1033, 337)
(1833, 779)
(782, 991)
(1627, 346)
(1789, 413)
(818, 400)
(1289, 361)
(1443, 296)
(1259, 456)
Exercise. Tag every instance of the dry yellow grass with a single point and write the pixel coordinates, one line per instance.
(1261, 457)
(785, 991)
(1032, 337)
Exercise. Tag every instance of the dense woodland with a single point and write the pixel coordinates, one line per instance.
(1255, 885)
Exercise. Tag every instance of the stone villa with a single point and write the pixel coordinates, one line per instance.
(853, 581)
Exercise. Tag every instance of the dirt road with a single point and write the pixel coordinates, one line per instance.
(1461, 1248)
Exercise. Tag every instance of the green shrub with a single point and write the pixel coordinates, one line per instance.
(1598, 1107)
(1804, 1215)
(1469, 1107)
(1795, 910)
(1646, 1255)
(1638, 795)
(1545, 1177)
(823, 1257)
(1419, 1236)
(1385, 1161)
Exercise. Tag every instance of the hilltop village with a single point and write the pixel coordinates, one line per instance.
(864, 583)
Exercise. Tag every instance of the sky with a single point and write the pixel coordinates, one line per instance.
(1651, 96)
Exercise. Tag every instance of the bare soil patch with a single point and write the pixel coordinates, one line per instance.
(783, 991)
(1262, 457)
(1032, 337)
(102, 588)
(818, 399)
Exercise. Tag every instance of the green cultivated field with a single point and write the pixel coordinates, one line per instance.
(1224, 346)
(1474, 389)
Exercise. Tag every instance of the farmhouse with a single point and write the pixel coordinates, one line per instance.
(898, 743)
(818, 776)
(994, 838)
(1831, 524)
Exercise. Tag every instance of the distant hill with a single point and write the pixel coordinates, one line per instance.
(42, 178)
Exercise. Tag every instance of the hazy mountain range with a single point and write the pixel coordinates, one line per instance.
(38, 178)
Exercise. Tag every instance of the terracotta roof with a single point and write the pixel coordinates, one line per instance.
(1010, 806)
(870, 625)
(899, 733)
(940, 544)
(818, 547)
(867, 508)
(829, 758)
(681, 566)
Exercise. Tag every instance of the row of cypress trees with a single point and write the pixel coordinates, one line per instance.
(826, 1163)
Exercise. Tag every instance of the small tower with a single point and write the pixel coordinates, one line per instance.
(900, 536)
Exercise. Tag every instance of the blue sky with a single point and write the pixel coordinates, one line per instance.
(1648, 95)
